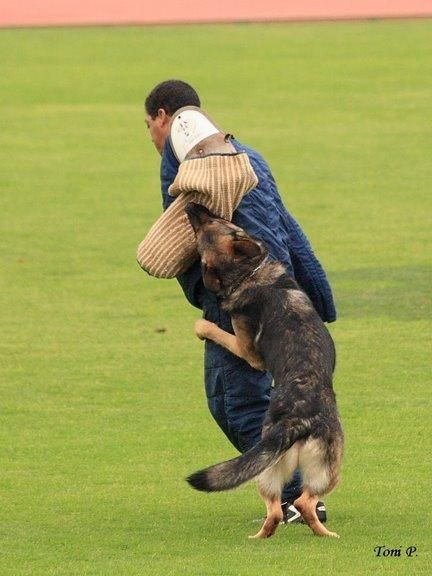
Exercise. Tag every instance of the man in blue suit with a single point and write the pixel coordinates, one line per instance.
(238, 396)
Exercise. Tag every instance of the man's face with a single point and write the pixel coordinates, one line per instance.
(158, 128)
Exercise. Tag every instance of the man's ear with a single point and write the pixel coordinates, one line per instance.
(163, 116)
(246, 248)
(211, 280)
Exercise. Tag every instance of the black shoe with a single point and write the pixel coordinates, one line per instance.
(292, 516)
(321, 512)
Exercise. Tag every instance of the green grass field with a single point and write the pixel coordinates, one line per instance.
(103, 410)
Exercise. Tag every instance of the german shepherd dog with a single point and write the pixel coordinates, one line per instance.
(276, 328)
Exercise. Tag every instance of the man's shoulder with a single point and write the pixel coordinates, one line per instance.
(256, 158)
(240, 147)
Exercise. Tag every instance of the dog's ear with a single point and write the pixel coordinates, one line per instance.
(246, 248)
(211, 280)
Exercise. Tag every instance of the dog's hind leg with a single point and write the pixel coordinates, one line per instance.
(270, 484)
(273, 519)
(319, 463)
(306, 505)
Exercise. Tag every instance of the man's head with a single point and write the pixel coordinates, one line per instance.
(164, 101)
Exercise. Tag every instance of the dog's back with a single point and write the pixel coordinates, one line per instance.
(288, 333)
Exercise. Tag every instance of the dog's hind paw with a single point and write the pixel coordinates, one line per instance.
(268, 529)
(327, 534)
(257, 536)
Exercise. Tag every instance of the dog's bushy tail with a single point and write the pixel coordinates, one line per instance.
(233, 473)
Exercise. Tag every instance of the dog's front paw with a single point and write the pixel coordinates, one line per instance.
(202, 328)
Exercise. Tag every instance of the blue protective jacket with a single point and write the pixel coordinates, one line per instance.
(262, 214)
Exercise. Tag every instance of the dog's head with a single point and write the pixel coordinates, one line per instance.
(227, 253)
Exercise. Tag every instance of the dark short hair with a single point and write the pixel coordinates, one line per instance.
(171, 95)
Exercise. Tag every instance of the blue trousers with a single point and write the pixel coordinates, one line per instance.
(238, 396)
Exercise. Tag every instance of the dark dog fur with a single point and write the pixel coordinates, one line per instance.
(277, 329)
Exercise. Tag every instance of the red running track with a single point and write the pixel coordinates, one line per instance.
(107, 12)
